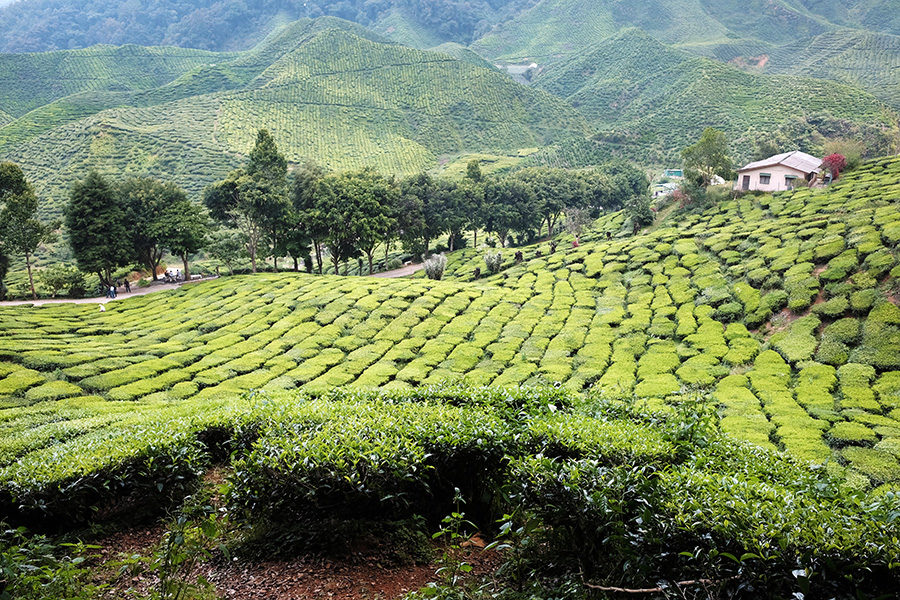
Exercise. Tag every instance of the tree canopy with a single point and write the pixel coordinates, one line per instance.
(97, 227)
(708, 158)
(20, 230)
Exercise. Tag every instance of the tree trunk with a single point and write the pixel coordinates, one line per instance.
(452, 235)
(187, 273)
(318, 249)
(334, 259)
(253, 259)
(230, 270)
(296, 264)
(30, 276)
(369, 253)
(275, 259)
(475, 238)
(387, 247)
(155, 258)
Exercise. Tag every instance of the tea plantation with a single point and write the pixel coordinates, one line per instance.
(779, 313)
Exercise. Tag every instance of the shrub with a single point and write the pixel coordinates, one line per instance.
(434, 266)
(848, 432)
(493, 261)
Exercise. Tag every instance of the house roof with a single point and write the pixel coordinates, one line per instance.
(796, 160)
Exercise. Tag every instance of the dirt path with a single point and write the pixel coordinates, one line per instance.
(401, 272)
(135, 291)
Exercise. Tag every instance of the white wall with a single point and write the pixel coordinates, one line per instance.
(776, 183)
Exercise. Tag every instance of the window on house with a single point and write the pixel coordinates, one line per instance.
(789, 181)
(765, 178)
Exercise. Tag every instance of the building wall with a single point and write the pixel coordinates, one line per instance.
(776, 183)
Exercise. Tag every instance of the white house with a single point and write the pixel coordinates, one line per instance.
(779, 172)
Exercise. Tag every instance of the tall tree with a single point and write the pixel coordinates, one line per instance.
(337, 208)
(306, 191)
(422, 218)
(554, 190)
(372, 201)
(185, 226)
(708, 158)
(509, 205)
(96, 222)
(456, 206)
(473, 171)
(147, 201)
(20, 230)
(253, 199)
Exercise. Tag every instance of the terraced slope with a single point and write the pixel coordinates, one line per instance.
(33, 80)
(783, 308)
(867, 60)
(653, 99)
(325, 92)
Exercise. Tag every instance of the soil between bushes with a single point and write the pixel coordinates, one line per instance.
(358, 576)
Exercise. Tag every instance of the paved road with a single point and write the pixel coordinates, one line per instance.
(401, 272)
(135, 291)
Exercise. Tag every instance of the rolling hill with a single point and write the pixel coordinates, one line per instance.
(328, 89)
(650, 98)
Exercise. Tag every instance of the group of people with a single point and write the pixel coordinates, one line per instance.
(112, 292)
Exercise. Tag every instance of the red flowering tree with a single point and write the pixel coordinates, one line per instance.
(835, 163)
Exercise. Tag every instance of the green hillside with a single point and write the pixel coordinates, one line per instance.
(555, 28)
(783, 307)
(651, 99)
(789, 37)
(732, 372)
(867, 60)
(460, 52)
(325, 92)
(33, 80)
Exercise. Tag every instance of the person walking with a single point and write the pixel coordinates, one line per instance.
(127, 287)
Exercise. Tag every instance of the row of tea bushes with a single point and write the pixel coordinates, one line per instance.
(584, 471)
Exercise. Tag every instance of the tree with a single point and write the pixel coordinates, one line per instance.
(96, 225)
(185, 226)
(576, 220)
(473, 171)
(509, 205)
(708, 157)
(455, 205)
(253, 199)
(638, 210)
(20, 230)
(61, 277)
(422, 218)
(226, 246)
(376, 204)
(146, 201)
(555, 190)
(337, 208)
(306, 193)
(835, 163)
